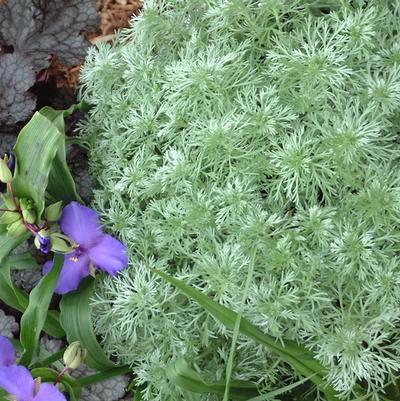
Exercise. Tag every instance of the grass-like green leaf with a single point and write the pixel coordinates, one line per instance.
(270, 396)
(50, 375)
(19, 300)
(298, 357)
(35, 150)
(182, 375)
(23, 261)
(61, 185)
(7, 244)
(77, 323)
(41, 162)
(33, 319)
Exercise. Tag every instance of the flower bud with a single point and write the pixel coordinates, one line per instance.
(8, 201)
(9, 217)
(53, 212)
(43, 241)
(5, 173)
(29, 215)
(74, 355)
(16, 229)
(26, 204)
(61, 243)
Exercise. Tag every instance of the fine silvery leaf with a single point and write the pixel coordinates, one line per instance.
(16, 77)
(40, 28)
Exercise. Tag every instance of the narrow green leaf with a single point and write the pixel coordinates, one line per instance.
(189, 396)
(34, 317)
(185, 377)
(41, 159)
(138, 395)
(23, 261)
(105, 375)
(7, 244)
(273, 394)
(298, 357)
(61, 185)
(19, 300)
(77, 323)
(50, 375)
(235, 336)
(35, 150)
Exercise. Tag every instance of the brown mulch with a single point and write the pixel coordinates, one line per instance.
(115, 14)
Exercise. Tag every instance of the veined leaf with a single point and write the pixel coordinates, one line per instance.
(61, 185)
(41, 162)
(34, 317)
(35, 150)
(23, 261)
(77, 323)
(298, 357)
(19, 300)
(185, 377)
(7, 244)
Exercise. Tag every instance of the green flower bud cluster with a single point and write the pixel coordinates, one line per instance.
(12, 216)
(28, 211)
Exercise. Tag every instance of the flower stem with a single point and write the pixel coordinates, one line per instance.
(61, 375)
(8, 210)
(11, 190)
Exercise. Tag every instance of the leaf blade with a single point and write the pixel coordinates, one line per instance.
(77, 323)
(34, 317)
(298, 357)
(19, 300)
(186, 378)
(35, 150)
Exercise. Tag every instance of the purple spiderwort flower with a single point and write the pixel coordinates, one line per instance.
(94, 248)
(7, 353)
(18, 381)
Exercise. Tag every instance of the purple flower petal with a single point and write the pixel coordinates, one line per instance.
(73, 271)
(49, 392)
(17, 381)
(81, 224)
(109, 255)
(7, 353)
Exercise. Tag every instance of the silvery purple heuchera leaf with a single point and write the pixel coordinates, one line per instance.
(34, 30)
(16, 77)
(40, 28)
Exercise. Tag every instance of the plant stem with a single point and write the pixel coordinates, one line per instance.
(98, 377)
(8, 210)
(51, 359)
